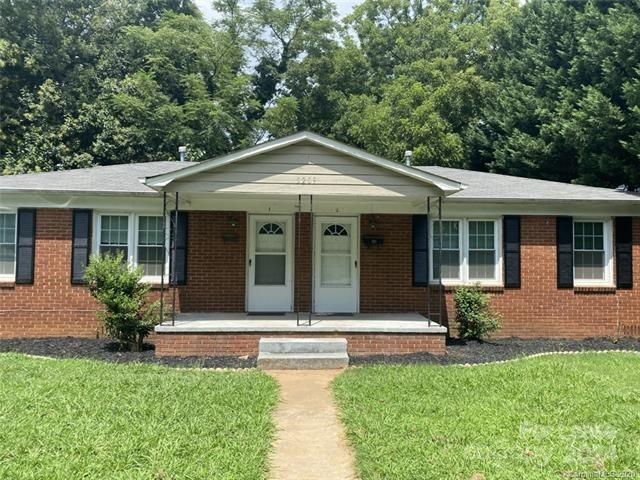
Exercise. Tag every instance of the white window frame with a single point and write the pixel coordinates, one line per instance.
(463, 273)
(607, 233)
(132, 238)
(11, 277)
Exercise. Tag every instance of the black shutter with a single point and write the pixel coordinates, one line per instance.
(81, 244)
(25, 249)
(179, 261)
(564, 251)
(511, 232)
(624, 260)
(420, 250)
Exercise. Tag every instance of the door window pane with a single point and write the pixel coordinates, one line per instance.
(114, 234)
(446, 249)
(336, 271)
(270, 269)
(150, 245)
(7, 243)
(482, 250)
(335, 239)
(270, 237)
(335, 263)
(271, 259)
(588, 245)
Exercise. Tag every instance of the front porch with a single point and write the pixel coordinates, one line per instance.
(238, 334)
(297, 225)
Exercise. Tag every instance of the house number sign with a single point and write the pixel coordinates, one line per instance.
(306, 180)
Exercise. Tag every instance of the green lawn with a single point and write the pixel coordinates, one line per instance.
(535, 418)
(71, 419)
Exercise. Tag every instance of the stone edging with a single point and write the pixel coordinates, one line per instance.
(541, 354)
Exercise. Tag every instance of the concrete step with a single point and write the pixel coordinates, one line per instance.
(303, 345)
(302, 361)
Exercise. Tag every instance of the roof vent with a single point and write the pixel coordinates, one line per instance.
(182, 150)
(408, 157)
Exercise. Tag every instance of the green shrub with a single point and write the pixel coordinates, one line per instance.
(473, 313)
(127, 316)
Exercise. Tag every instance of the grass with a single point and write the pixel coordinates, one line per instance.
(538, 418)
(69, 419)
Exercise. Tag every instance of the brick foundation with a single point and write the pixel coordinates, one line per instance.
(238, 344)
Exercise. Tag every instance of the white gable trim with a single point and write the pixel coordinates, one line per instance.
(446, 185)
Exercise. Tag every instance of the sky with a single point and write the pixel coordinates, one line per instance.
(344, 7)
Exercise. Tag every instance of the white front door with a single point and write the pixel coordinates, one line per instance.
(336, 265)
(270, 285)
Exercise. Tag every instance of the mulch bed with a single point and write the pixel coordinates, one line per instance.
(471, 352)
(458, 352)
(107, 350)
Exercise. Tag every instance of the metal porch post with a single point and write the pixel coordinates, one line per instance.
(428, 265)
(441, 288)
(312, 240)
(296, 295)
(164, 253)
(173, 276)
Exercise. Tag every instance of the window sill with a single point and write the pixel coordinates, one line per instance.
(594, 288)
(7, 283)
(485, 287)
(159, 286)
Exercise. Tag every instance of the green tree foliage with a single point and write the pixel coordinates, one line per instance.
(287, 37)
(424, 88)
(91, 82)
(567, 80)
(544, 88)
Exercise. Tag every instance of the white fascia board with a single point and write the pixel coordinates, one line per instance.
(447, 186)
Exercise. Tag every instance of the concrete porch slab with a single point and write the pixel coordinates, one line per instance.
(357, 323)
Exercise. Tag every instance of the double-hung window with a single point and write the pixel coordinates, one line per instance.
(592, 252)
(138, 237)
(482, 250)
(7, 245)
(466, 251)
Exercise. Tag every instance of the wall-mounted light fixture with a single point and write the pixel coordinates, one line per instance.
(232, 221)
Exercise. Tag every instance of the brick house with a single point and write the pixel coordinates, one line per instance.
(307, 236)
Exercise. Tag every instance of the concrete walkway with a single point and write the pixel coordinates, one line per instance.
(310, 442)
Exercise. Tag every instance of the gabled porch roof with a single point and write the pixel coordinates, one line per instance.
(304, 164)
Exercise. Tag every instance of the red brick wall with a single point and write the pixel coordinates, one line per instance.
(51, 306)
(302, 247)
(216, 281)
(237, 344)
(537, 309)
(216, 268)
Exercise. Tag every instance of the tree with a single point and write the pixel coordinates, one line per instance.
(566, 110)
(285, 36)
(87, 82)
(424, 89)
